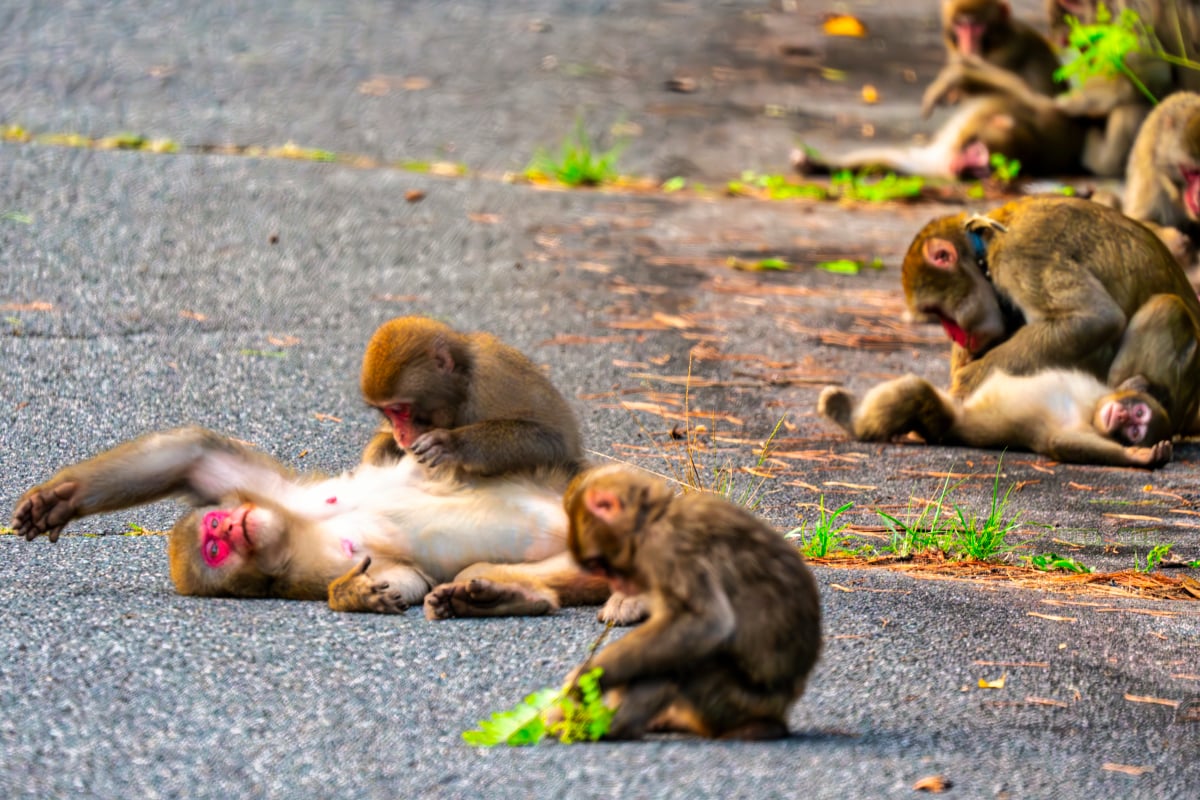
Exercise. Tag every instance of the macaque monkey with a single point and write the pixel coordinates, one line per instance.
(735, 620)
(1162, 187)
(464, 400)
(375, 540)
(1044, 140)
(986, 29)
(1048, 282)
(1065, 414)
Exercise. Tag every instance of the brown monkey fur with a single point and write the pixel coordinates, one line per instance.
(464, 400)
(1162, 187)
(1067, 415)
(1048, 282)
(735, 620)
(375, 540)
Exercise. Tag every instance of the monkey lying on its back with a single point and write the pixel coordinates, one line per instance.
(259, 531)
(1065, 414)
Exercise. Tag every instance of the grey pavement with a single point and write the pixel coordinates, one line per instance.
(142, 291)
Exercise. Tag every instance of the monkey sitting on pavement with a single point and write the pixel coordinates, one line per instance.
(735, 619)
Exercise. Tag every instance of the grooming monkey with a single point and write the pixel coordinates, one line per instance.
(735, 620)
(376, 540)
(1162, 187)
(1067, 415)
(987, 30)
(464, 400)
(1048, 282)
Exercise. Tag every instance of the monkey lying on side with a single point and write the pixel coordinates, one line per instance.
(1065, 414)
(258, 531)
(735, 620)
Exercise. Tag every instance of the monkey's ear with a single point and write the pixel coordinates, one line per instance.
(603, 504)
(941, 253)
(1134, 383)
(442, 358)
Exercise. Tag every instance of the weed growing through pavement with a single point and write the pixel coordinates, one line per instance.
(982, 538)
(578, 162)
(825, 537)
(1153, 558)
(922, 534)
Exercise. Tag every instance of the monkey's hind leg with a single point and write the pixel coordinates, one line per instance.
(907, 404)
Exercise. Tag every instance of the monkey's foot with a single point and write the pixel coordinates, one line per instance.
(623, 609)
(46, 509)
(480, 597)
(356, 591)
(837, 404)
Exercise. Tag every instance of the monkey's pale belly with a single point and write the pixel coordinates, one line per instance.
(390, 514)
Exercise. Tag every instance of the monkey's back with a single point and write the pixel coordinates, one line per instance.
(777, 635)
(1065, 236)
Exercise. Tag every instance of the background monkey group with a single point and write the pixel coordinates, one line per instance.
(735, 619)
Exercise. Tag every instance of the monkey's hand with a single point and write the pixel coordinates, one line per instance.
(356, 591)
(438, 446)
(46, 509)
(1154, 456)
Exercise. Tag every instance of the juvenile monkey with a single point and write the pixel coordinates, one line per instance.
(464, 400)
(376, 540)
(1048, 282)
(735, 620)
(1067, 415)
(1162, 187)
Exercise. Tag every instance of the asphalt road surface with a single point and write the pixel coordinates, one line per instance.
(228, 286)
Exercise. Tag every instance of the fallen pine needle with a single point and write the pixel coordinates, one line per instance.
(1137, 698)
(1052, 617)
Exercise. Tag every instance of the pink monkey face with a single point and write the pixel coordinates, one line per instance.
(224, 533)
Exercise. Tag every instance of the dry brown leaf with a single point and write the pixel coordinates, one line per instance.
(196, 315)
(414, 195)
(845, 485)
(1046, 701)
(416, 83)
(327, 417)
(935, 784)
(1138, 698)
(283, 341)
(485, 218)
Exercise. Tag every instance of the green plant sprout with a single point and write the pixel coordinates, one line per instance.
(577, 162)
(1004, 169)
(1103, 47)
(1153, 558)
(923, 533)
(1051, 562)
(865, 187)
(983, 539)
(825, 537)
(674, 184)
(585, 719)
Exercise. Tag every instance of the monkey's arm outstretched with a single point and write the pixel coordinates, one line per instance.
(195, 462)
(1086, 447)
